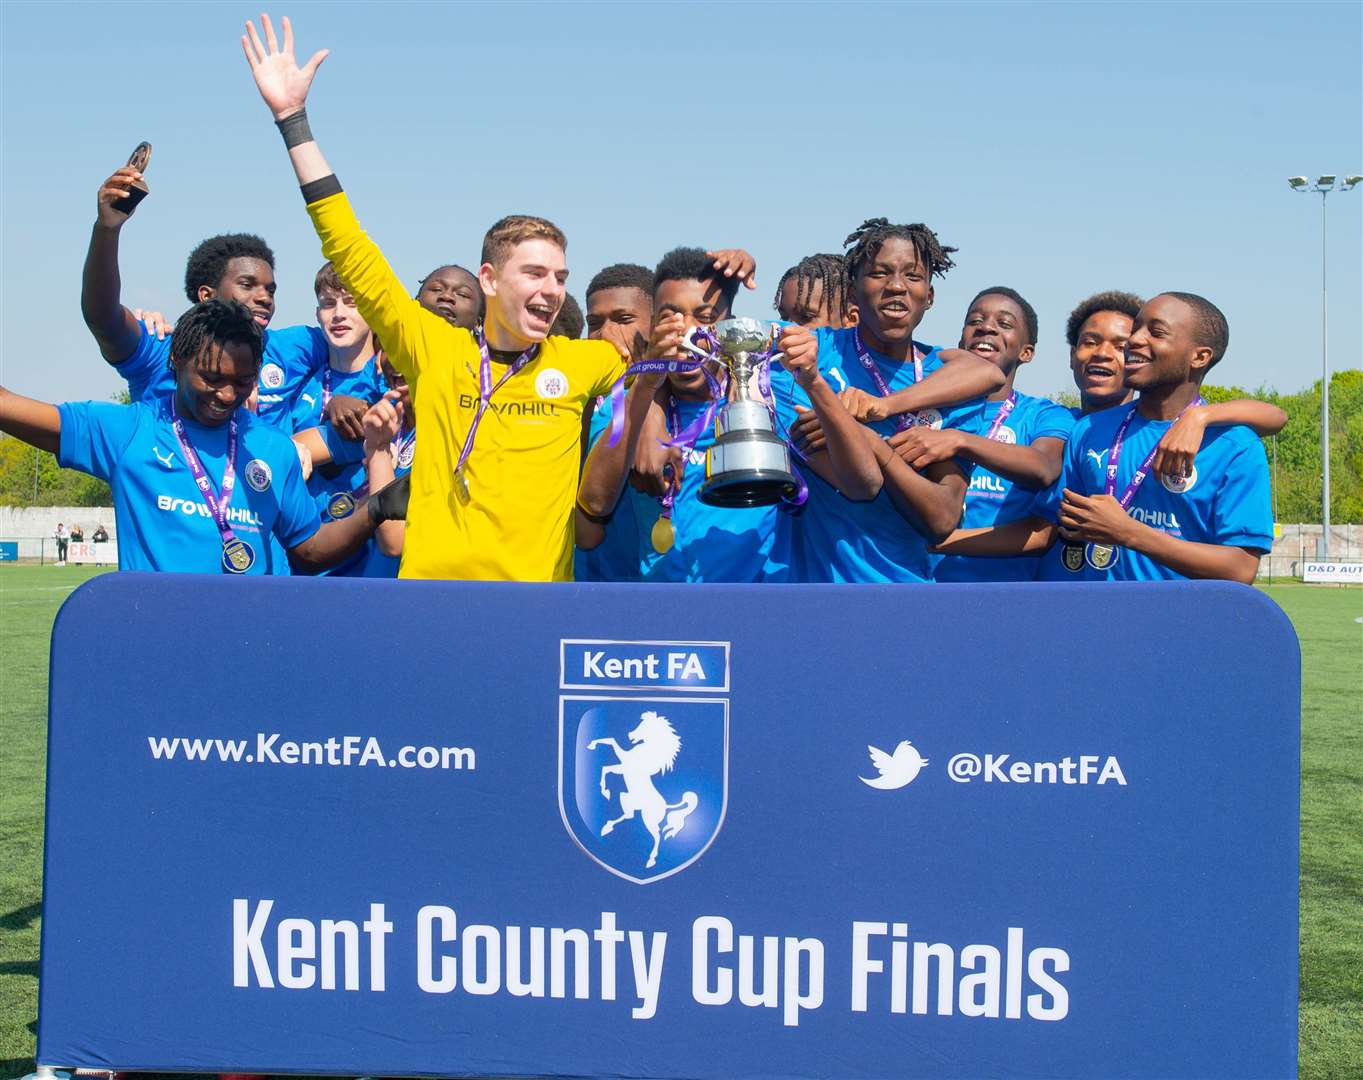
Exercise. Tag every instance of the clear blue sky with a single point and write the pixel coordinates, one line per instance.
(1063, 148)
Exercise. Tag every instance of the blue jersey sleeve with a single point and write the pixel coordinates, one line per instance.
(343, 451)
(298, 517)
(1047, 502)
(1243, 513)
(1052, 421)
(146, 365)
(94, 435)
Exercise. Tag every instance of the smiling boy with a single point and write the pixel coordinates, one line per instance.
(200, 484)
(233, 266)
(1214, 522)
(1022, 447)
(493, 488)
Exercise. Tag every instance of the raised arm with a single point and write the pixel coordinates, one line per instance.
(603, 473)
(34, 422)
(379, 293)
(842, 454)
(115, 328)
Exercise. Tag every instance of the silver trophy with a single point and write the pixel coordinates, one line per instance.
(749, 463)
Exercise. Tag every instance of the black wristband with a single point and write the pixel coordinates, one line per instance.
(317, 190)
(294, 128)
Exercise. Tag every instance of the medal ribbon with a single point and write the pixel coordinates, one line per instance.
(486, 388)
(217, 505)
(401, 446)
(326, 389)
(1114, 457)
(905, 420)
(659, 366)
(1008, 406)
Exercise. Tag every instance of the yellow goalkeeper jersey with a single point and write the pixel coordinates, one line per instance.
(516, 523)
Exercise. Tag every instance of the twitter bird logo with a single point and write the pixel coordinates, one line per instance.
(895, 769)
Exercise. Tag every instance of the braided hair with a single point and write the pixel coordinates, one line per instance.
(869, 237)
(217, 322)
(828, 271)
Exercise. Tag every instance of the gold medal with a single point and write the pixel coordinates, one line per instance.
(663, 535)
(341, 506)
(462, 483)
(237, 556)
(1072, 555)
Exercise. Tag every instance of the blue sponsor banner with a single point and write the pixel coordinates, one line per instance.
(898, 832)
(9, 550)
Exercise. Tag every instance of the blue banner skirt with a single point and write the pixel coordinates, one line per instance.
(460, 829)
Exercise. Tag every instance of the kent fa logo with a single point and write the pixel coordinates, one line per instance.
(643, 782)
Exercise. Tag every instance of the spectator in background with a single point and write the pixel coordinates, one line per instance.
(570, 319)
(61, 544)
(101, 535)
(77, 534)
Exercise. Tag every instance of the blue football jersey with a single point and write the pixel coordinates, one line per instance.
(833, 538)
(995, 500)
(710, 543)
(308, 411)
(163, 522)
(291, 355)
(1225, 501)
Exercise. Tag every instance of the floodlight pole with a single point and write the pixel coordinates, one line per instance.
(1324, 391)
(1324, 184)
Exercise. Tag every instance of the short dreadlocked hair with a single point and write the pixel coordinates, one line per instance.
(829, 271)
(1028, 312)
(208, 261)
(218, 322)
(622, 276)
(869, 237)
(1123, 303)
(570, 320)
(693, 264)
(1213, 330)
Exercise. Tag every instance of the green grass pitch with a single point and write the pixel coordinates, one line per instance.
(1328, 622)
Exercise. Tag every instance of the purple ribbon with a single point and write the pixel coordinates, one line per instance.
(217, 505)
(1114, 457)
(1008, 406)
(661, 366)
(905, 420)
(486, 389)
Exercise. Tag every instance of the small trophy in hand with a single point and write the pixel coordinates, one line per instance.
(139, 160)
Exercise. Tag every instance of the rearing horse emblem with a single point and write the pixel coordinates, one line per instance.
(654, 746)
(643, 781)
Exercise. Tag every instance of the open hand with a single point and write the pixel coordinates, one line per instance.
(155, 322)
(735, 262)
(281, 82)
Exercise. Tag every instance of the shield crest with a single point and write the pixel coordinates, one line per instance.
(643, 781)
